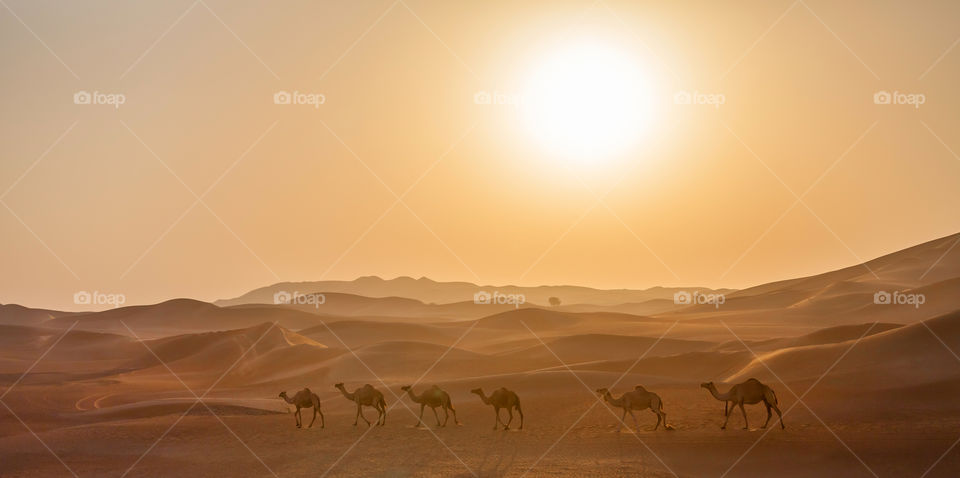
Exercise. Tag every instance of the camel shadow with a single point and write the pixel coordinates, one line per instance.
(498, 456)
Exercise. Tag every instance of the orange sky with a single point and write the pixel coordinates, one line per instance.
(705, 196)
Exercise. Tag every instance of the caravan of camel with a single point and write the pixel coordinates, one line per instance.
(749, 392)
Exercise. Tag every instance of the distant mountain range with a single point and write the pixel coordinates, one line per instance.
(433, 292)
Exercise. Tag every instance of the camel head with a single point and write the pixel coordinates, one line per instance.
(338, 385)
(283, 394)
(478, 391)
(602, 391)
(405, 388)
(707, 385)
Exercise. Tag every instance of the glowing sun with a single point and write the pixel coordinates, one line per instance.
(587, 102)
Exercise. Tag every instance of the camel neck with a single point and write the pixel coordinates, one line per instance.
(719, 396)
(413, 396)
(345, 393)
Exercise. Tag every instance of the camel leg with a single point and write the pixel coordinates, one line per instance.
(518, 411)
(658, 420)
(446, 415)
(768, 414)
(323, 422)
(635, 423)
(623, 419)
(360, 414)
(435, 415)
(726, 415)
(419, 420)
(314, 417)
(507, 426)
(299, 419)
(779, 415)
(744, 411)
(496, 424)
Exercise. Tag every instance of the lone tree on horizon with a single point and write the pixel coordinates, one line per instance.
(554, 301)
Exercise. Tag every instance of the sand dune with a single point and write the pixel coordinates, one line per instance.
(593, 347)
(902, 356)
(182, 316)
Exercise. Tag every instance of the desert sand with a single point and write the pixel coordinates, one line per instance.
(866, 389)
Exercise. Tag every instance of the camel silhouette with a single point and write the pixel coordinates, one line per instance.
(749, 392)
(502, 398)
(637, 399)
(366, 396)
(434, 397)
(305, 399)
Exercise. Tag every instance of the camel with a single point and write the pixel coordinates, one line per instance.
(433, 398)
(502, 398)
(749, 392)
(637, 399)
(305, 399)
(366, 396)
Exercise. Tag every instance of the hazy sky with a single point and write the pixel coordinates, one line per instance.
(98, 197)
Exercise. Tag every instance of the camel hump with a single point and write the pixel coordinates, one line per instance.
(640, 388)
(435, 387)
(307, 389)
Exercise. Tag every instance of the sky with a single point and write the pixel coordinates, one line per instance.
(735, 143)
